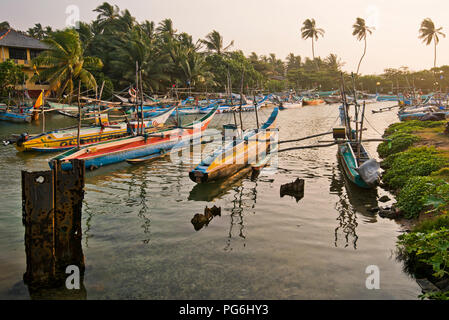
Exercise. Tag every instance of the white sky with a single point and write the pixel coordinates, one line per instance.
(269, 26)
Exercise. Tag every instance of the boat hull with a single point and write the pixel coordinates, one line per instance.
(348, 162)
(237, 154)
(105, 153)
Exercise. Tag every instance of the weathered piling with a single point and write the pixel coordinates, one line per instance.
(51, 208)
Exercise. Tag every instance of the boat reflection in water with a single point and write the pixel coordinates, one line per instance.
(352, 201)
(243, 200)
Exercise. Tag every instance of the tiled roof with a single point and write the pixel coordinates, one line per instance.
(13, 38)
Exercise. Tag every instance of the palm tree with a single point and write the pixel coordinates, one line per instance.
(166, 27)
(360, 31)
(429, 32)
(4, 25)
(214, 42)
(334, 62)
(310, 31)
(106, 13)
(65, 62)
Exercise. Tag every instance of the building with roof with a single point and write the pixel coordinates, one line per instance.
(22, 49)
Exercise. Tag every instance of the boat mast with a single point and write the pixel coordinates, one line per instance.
(141, 102)
(78, 135)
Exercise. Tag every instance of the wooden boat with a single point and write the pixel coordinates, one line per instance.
(290, 105)
(63, 106)
(237, 154)
(313, 102)
(359, 167)
(137, 147)
(60, 140)
(18, 117)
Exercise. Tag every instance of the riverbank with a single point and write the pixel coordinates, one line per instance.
(416, 164)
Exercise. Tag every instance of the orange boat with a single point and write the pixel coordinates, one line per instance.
(313, 102)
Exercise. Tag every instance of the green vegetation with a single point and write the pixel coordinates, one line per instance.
(65, 63)
(412, 126)
(420, 193)
(11, 74)
(419, 175)
(399, 141)
(419, 161)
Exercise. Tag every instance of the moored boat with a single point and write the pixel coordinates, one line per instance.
(122, 149)
(313, 101)
(60, 140)
(249, 148)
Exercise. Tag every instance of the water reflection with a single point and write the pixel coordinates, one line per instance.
(352, 200)
(244, 198)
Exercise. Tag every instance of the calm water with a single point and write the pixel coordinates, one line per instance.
(139, 243)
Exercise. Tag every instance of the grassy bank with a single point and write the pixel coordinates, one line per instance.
(416, 164)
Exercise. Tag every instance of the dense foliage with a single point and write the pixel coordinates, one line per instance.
(11, 74)
(168, 57)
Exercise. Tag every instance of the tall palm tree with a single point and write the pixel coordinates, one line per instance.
(106, 13)
(429, 32)
(214, 42)
(166, 27)
(360, 31)
(4, 25)
(65, 62)
(310, 31)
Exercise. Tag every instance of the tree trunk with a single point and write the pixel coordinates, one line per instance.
(313, 56)
(364, 52)
(435, 54)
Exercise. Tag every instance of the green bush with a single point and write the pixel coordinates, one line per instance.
(436, 223)
(420, 192)
(420, 161)
(412, 126)
(430, 249)
(399, 142)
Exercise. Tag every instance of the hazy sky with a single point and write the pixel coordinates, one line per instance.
(268, 26)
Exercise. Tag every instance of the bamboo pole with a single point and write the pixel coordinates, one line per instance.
(78, 138)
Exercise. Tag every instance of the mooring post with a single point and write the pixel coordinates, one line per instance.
(52, 205)
(38, 219)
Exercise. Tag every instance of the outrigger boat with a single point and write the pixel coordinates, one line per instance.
(249, 148)
(358, 165)
(313, 101)
(138, 147)
(60, 140)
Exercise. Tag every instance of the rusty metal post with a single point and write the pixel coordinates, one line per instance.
(52, 206)
(69, 194)
(38, 218)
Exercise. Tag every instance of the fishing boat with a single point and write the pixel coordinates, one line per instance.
(358, 165)
(60, 140)
(225, 108)
(63, 107)
(18, 117)
(313, 101)
(332, 99)
(243, 150)
(137, 147)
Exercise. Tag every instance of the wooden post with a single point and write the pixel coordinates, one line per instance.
(141, 102)
(52, 206)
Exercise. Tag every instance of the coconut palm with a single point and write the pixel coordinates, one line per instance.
(310, 31)
(4, 25)
(214, 42)
(360, 31)
(65, 62)
(428, 33)
(334, 62)
(106, 13)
